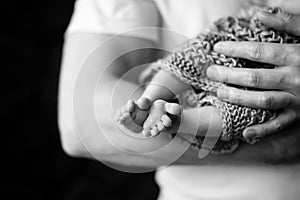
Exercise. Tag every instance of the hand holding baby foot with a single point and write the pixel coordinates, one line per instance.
(133, 114)
(158, 119)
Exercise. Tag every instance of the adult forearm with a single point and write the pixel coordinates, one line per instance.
(276, 149)
(88, 129)
(84, 134)
(78, 49)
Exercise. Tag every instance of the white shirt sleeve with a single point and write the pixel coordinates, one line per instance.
(128, 17)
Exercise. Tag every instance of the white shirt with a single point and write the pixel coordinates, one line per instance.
(187, 17)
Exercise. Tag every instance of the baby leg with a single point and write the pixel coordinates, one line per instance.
(165, 86)
(198, 121)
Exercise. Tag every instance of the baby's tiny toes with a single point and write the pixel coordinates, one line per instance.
(126, 115)
(154, 131)
(146, 133)
(130, 106)
(123, 110)
(117, 115)
(173, 108)
(160, 125)
(166, 121)
(147, 123)
(123, 118)
(144, 103)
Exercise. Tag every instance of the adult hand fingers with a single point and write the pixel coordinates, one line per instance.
(280, 20)
(291, 6)
(272, 53)
(283, 120)
(255, 78)
(257, 99)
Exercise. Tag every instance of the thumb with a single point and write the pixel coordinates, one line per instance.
(280, 20)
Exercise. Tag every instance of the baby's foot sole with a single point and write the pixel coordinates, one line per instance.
(133, 114)
(158, 120)
(125, 112)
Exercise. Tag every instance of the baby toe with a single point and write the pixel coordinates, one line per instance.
(122, 119)
(154, 131)
(123, 110)
(144, 103)
(166, 121)
(117, 115)
(160, 125)
(148, 122)
(130, 106)
(146, 133)
(126, 116)
(173, 108)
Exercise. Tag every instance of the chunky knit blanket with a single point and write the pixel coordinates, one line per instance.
(189, 64)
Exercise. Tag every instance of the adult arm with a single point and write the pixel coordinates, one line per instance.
(81, 137)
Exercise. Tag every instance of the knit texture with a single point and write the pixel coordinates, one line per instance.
(190, 62)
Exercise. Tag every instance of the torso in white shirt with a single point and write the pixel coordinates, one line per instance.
(219, 182)
(189, 17)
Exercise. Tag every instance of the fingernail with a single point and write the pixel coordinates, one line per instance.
(220, 46)
(212, 72)
(250, 134)
(203, 152)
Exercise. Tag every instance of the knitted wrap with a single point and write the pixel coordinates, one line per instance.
(190, 62)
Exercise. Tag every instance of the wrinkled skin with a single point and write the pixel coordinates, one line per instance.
(279, 87)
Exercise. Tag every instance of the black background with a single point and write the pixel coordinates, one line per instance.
(34, 165)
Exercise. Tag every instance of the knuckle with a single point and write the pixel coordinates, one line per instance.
(252, 80)
(294, 55)
(277, 125)
(266, 101)
(286, 102)
(282, 80)
(291, 23)
(289, 102)
(288, 17)
(290, 82)
(256, 52)
(285, 58)
(296, 82)
(294, 115)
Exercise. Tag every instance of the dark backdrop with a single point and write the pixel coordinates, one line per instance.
(34, 164)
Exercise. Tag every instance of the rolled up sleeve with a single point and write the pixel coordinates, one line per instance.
(135, 18)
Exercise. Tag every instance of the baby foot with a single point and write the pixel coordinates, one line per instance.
(133, 114)
(158, 120)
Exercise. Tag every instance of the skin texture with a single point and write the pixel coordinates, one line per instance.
(292, 6)
(83, 139)
(280, 148)
(150, 114)
(279, 87)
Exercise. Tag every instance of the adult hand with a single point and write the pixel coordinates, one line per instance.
(278, 88)
(292, 6)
